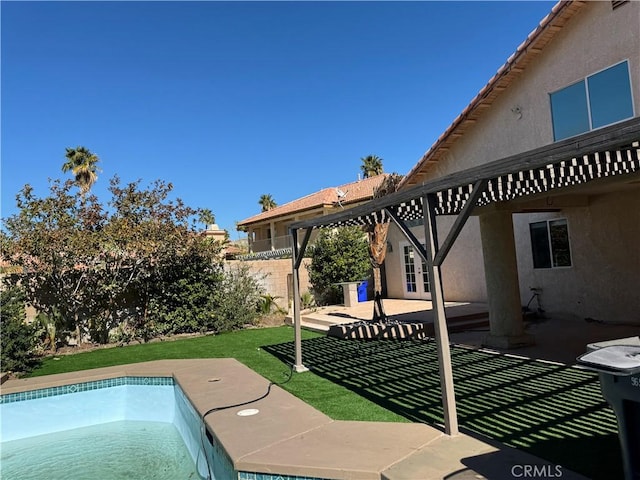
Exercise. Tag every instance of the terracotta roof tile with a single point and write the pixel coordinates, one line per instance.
(355, 192)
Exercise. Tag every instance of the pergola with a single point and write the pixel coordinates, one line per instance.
(610, 152)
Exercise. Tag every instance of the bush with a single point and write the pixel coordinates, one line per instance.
(307, 301)
(17, 337)
(238, 299)
(339, 255)
(186, 301)
(268, 304)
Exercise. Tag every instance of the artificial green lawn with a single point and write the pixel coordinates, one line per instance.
(247, 346)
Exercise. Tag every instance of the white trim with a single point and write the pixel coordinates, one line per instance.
(552, 266)
(419, 272)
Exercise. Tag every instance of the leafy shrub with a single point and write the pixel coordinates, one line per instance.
(17, 337)
(188, 300)
(46, 331)
(340, 255)
(268, 304)
(238, 298)
(307, 301)
(135, 266)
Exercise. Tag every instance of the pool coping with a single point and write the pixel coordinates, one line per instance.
(289, 437)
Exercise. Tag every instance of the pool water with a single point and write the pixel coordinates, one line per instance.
(141, 428)
(138, 428)
(117, 450)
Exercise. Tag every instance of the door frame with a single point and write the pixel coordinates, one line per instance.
(420, 272)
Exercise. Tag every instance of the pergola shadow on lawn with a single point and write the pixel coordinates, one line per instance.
(552, 411)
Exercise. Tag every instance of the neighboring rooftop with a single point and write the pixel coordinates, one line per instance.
(353, 192)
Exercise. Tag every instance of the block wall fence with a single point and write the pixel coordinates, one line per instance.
(275, 276)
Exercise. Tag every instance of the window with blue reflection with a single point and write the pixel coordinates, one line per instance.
(599, 100)
(569, 111)
(610, 95)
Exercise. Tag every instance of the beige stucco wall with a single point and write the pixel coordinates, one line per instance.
(275, 277)
(604, 280)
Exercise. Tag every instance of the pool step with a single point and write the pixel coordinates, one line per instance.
(318, 322)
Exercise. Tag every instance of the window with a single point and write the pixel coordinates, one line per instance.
(600, 99)
(550, 244)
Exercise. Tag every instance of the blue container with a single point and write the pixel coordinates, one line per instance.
(362, 292)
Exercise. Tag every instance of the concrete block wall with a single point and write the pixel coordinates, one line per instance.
(275, 276)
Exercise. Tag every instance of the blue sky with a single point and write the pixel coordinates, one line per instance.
(232, 100)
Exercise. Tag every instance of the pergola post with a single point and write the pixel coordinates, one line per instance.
(296, 259)
(440, 320)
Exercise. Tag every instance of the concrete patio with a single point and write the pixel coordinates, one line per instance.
(559, 338)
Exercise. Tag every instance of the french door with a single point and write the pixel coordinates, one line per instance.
(414, 274)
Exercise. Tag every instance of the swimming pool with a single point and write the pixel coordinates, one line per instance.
(128, 427)
(237, 446)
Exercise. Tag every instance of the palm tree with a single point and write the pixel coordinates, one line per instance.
(378, 240)
(207, 217)
(371, 166)
(82, 164)
(267, 202)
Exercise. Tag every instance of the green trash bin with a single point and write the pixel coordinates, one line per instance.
(618, 365)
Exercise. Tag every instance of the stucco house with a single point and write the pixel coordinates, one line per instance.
(269, 241)
(269, 231)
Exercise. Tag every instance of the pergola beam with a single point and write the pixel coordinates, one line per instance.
(428, 253)
(415, 243)
(303, 247)
(460, 222)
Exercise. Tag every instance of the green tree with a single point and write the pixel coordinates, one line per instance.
(371, 166)
(53, 243)
(154, 240)
(339, 255)
(206, 217)
(267, 202)
(90, 269)
(83, 165)
(184, 299)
